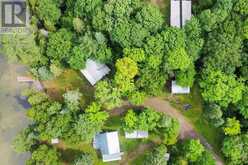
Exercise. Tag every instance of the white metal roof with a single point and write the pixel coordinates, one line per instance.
(94, 71)
(136, 134)
(175, 13)
(109, 145)
(177, 89)
(55, 141)
(113, 142)
(180, 12)
(186, 11)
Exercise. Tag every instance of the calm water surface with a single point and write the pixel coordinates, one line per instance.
(12, 112)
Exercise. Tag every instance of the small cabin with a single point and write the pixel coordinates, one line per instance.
(177, 89)
(136, 135)
(180, 12)
(94, 71)
(55, 141)
(108, 144)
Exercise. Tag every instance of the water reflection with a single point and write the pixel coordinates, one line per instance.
(12, 111)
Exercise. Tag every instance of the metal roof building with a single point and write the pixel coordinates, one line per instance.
(94, 71)
(177, 89)
(186, 11)
(175, 12)
(180, 12)
(136, 135)
(108, 144)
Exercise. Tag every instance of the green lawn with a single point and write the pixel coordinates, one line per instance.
(70, 80)
(213, 135)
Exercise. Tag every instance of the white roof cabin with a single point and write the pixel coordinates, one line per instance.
(55, 141)
(175, 12)
(167, 156)
(180, 12)
(94, 71)
(177, 89)
(186, 11)
(136, 135)
(108, 144)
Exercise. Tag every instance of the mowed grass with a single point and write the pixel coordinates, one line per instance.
(213, 135)
(70, 80)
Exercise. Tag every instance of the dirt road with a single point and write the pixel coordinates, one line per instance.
(187, 129)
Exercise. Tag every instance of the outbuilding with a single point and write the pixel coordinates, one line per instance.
(55, 141)
(136, 134)
(108, 144)
(177, 89)
(180, 12)
(94, 71)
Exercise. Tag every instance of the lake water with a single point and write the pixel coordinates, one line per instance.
(12, 112)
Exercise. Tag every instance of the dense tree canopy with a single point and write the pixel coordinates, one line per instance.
(221, 88)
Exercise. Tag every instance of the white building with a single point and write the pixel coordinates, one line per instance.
(55, 141)
(180, 12)
(175, 18)
(108, 144)
(177, 89)
(186, 11)
(136, 135)
(94, 71)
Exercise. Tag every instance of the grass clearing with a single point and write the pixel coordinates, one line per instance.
(213, 135)
(69, 80)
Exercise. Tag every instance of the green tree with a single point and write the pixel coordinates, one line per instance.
(21, 47)
(86, 129)
(78, 58)
(94, 113)
(136, 54)
(72, 99)
(205, 159)
(235, 149)
(59, 45)
(84, 8)
(157, 156)
(150, 17)
(121, 32)
(102, 21)
(107, 95)
(130, 121)
(169, 129)
(220, 88)
(192, 149)
(84, 159)
(137, 97)
(79, 25)
(245, 29)
(194, 40)
(214, 113)
(179, 59)
(148, 120)
(45, 155)
(243, 104)
(127, 67)
(137, 34)
(232, 127)
(36, 98)
(24, 141)
(56, 70)
(241, 7)
(186, 78)
(49, 12)
(223, 51)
